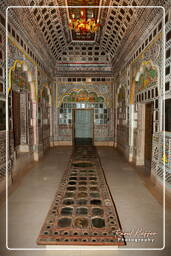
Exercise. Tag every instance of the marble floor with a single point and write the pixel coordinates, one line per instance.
(139, 211)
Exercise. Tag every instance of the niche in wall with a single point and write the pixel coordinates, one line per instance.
(168, 115)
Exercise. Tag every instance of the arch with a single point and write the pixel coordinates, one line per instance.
(83, 99)
(82, 95)
(25, 68)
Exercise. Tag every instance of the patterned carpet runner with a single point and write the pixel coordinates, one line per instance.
(83, 211)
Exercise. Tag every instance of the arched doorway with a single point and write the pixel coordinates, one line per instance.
(21, 109)
(70, 110)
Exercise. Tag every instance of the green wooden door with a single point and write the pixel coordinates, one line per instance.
(83, 126)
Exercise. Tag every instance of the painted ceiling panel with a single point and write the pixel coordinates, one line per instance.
(53, 22)
(50, 21)
(89, 13)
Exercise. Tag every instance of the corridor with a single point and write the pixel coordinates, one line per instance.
(29, 203)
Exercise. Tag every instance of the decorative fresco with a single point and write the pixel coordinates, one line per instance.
(19, 78)
(82, 96)
(146, 70)
(85, 92)
(146, 76)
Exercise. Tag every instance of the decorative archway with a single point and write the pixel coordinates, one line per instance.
(82, 99)
(25, 68)
(22, 92)
(146, 80)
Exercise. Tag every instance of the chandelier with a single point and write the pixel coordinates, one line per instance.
(82, 24)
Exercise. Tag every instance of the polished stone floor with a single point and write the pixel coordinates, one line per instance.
(139, 211)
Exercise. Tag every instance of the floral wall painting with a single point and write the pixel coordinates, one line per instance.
(82, 96)
(143, 76)
(19, 78)
(146, 76)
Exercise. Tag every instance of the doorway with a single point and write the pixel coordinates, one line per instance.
(148, 137)
(83, 126)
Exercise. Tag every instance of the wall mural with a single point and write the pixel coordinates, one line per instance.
(145, 69)
(83, 99)
(19, 79)
(22, 76)
(82, 96)
(144, 74)
(147, 76)
(104, 90)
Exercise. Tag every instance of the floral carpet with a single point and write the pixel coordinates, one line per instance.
(83, 211)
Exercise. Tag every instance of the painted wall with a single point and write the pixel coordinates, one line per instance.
(28, 91)
(141, 81)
